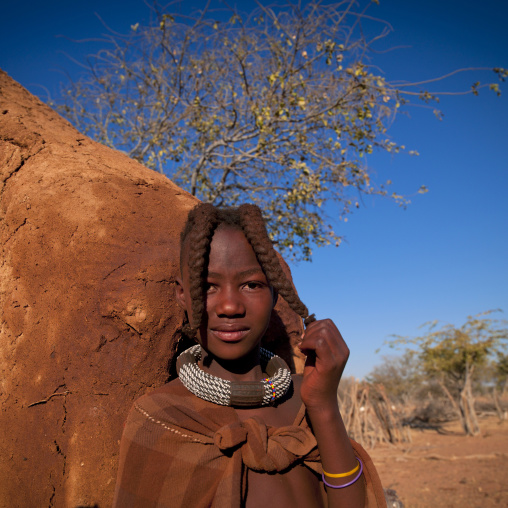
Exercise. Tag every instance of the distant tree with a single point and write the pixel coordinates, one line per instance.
(451, 355)
(501, 372)
(276, 107)
(401, 377)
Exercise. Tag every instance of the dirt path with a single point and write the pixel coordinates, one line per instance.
(448, 469)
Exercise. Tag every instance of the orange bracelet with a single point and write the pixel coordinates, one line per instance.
(342, 475)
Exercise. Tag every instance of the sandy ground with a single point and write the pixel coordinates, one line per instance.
(445, 468)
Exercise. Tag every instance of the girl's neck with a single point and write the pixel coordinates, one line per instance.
(245, 369)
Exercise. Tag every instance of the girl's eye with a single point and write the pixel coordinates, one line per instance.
(253, 285)
(209, 287)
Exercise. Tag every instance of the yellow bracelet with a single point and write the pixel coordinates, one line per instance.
(341, 475)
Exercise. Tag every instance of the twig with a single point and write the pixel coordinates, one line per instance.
(480, 456)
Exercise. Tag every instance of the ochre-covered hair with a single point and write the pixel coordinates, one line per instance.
(196, 237)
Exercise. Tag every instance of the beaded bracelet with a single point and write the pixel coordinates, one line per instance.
(342, 475)
(346, 484)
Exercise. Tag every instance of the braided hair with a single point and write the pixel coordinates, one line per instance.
(196, 238)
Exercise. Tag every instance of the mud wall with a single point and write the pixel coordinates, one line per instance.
(89, 254)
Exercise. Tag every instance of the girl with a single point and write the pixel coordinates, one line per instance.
(236, 428)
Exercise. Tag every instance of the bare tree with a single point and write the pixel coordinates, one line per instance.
(276, 107)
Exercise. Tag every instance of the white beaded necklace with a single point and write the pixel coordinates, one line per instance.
(234, 393)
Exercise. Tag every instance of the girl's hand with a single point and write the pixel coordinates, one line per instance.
(327, 354)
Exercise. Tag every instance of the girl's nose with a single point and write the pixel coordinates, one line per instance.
(229, 304)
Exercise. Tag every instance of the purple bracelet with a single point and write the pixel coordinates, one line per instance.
(346, 484)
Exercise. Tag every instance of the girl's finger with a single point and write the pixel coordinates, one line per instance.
(323, 333)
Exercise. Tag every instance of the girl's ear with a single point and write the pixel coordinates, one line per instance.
(180, 294)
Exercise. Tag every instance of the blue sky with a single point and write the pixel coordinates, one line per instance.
(445, 256)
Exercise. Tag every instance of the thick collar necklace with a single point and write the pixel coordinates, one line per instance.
(234, 393)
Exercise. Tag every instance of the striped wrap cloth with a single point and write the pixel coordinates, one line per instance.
(178, 450)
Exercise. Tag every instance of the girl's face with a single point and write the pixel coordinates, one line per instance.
(239, 299)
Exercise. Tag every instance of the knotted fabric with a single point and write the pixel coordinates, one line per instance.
(178, 450)
(267, 449)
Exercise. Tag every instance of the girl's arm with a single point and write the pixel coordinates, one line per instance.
(327, 354)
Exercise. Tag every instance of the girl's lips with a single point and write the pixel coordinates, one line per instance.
(230, 335)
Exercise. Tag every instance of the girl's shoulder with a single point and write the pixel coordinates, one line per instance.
(172, 406)
(165, 400)
(170, 389)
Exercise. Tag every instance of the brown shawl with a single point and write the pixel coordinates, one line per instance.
(178, 450)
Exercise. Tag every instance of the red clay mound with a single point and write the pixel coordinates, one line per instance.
(90, 246)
